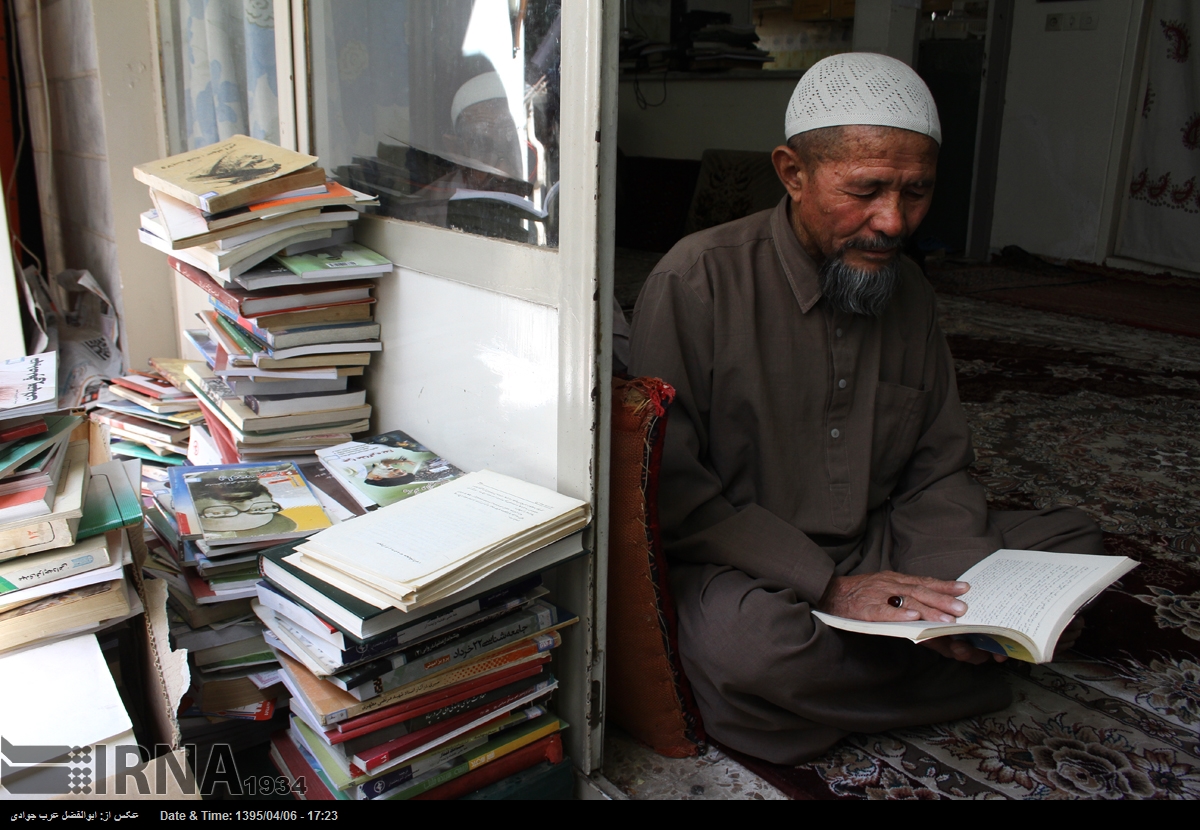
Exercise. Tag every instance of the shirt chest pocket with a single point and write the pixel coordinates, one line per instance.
(899, 412)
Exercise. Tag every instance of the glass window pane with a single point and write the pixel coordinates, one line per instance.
(447, 110)
(219, 71)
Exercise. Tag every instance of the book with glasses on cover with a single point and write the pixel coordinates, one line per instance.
(1019, 604)
(386, 468)
(231, 173)
(238, 503)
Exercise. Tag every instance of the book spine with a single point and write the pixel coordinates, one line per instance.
(459, 750)
(201, 280)
(378, 756)
(548, 749)
(22, 576)
(524, 652)
(422, 765)
(538, 618)
(369, 652)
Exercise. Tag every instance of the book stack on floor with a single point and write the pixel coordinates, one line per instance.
(149, 415)
(291, 328)
(212, 523)
(63, 544)
(418, 665)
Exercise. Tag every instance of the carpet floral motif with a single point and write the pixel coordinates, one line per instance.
(1066, 410)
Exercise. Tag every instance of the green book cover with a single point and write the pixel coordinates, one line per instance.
(132, 449)
(58, 428)
(240, 336)
(332, 259)
(110, 502)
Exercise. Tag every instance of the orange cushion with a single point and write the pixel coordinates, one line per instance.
(648, 694)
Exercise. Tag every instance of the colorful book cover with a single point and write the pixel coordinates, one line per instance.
(111, 502)
(386, 468)
(334, 258)
(236, 503)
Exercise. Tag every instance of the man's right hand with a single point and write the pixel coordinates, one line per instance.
(866, 598)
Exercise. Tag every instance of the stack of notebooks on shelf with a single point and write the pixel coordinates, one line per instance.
(418, 664)
(63, 543)
(726, 46)
(260, 230)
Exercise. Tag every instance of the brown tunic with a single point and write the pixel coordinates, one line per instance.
(804, 444)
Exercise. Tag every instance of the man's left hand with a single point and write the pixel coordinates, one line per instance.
(962, 651)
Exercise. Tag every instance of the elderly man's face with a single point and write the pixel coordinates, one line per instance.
(861, 201)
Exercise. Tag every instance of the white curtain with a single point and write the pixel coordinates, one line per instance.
(228, 59)
(1161, 219)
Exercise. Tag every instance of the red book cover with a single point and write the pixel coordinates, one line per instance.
(23, 430)
(234, 298)
(547, 749)
(298, 770)
(23, 498)
(379, 755)
(221, 437)
(200, 589)
(409, 709)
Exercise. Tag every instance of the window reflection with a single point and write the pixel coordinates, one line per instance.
(447, 110)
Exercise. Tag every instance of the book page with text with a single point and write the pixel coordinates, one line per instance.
(1030, 591)
(419, 536)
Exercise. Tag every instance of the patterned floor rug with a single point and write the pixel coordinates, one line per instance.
(1104, 417)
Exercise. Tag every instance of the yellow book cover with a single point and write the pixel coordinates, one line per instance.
(231, 173)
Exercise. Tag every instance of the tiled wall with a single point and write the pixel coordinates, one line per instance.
(75, 191)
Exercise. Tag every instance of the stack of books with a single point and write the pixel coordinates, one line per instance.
(209, 525)
(262, 232)
(417, 665)
(149, 415)
(725, 46)
(227, 207)
(63, 543)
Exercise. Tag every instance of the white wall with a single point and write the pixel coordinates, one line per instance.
(702, 114)
(1065, 117)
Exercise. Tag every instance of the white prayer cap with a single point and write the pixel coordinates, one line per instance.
(481, 88)
(862, 88)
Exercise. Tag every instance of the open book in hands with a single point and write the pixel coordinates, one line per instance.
(1020, 599)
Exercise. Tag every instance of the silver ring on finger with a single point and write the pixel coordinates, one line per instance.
(896, 601)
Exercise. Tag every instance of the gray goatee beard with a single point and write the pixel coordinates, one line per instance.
(854, 290)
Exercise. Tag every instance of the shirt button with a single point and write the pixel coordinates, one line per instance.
(838, 332)
(837, 433)
(841, 384)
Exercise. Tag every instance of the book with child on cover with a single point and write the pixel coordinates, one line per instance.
(1020, 600)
